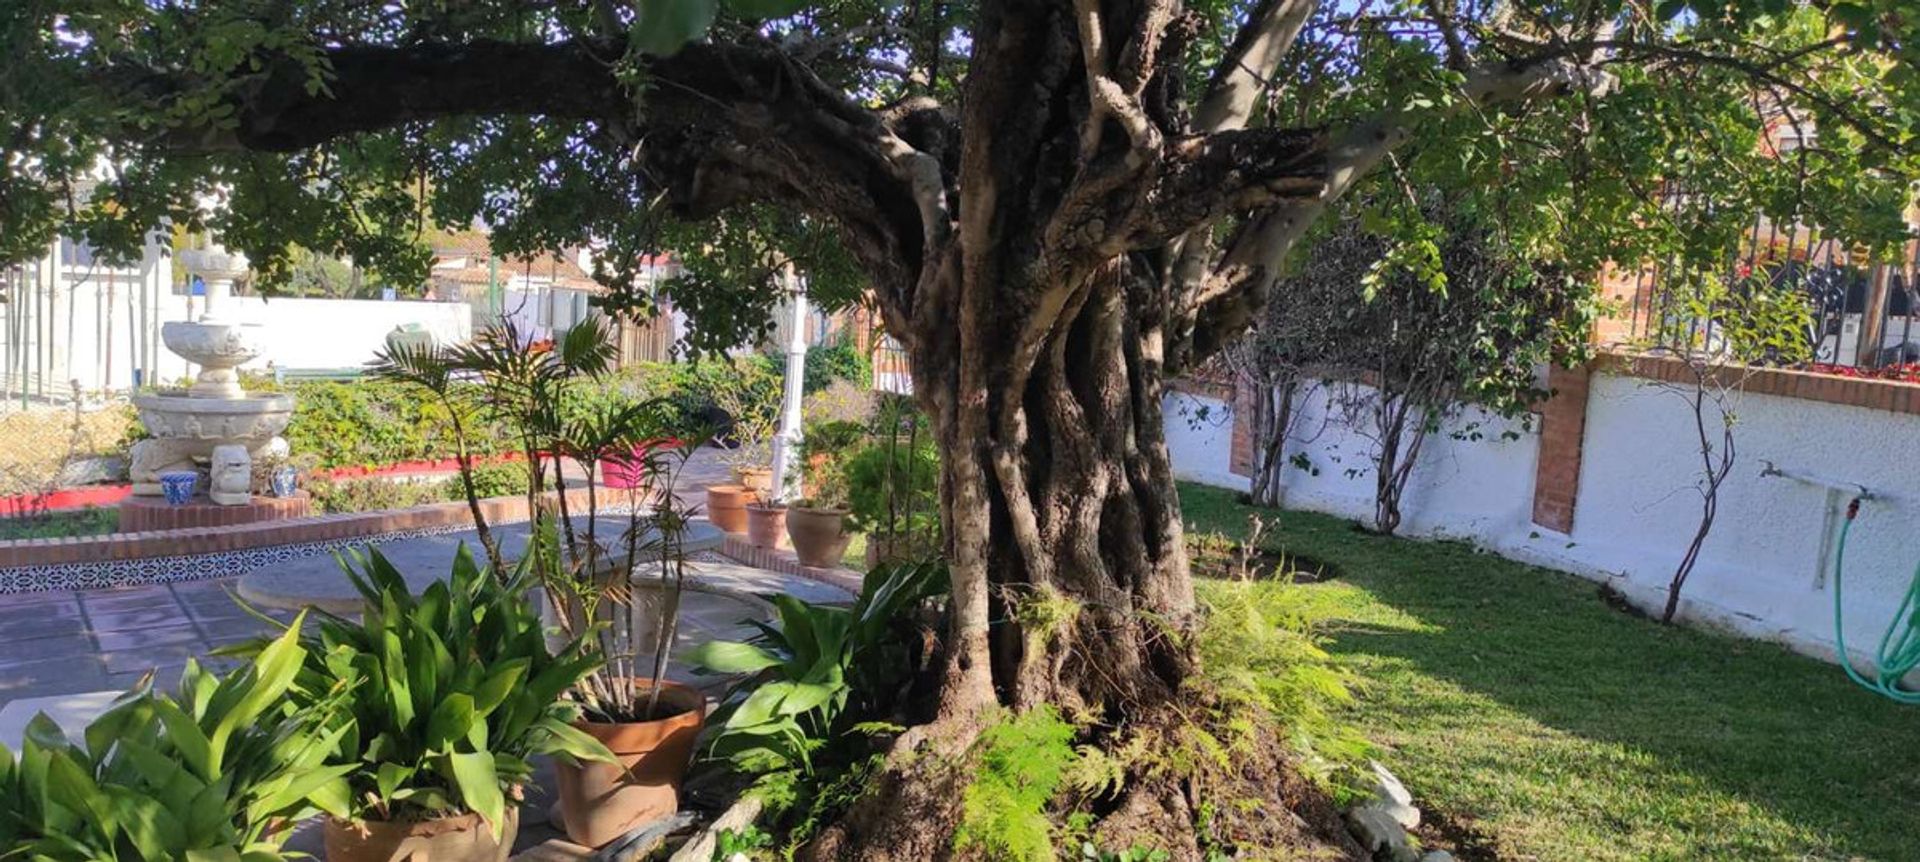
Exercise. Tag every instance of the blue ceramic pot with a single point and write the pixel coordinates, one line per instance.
(178, 486)
(284, 481)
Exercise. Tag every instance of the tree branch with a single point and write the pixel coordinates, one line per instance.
(1256, 52)
(1226, 304)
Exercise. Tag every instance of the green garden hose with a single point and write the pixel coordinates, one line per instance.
(1899, 650)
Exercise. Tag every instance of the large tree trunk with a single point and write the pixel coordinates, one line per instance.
(1064, 520)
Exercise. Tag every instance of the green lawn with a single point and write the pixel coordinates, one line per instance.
(90, 521)
(1513, 700)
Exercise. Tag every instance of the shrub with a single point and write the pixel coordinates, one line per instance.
(373, 494)
(893, 487)
(494, 479)
(1262, 662)
(206, 776)
(1022, 762)
(829, 363)
(447, 696)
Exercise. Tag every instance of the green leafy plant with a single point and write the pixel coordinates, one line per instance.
(445, 697)
(497, 479)
(824, 450)
(1264, 665)
(373, 493)
(206, 776)
(810, 668)
(893, 488)
(750, 396)
(1021, 762)
(742, 841)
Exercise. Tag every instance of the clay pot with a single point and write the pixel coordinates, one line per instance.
(767, 525)
(819, 536)
(755, 479)
(727, 506)
(463, 838)
(600, 801)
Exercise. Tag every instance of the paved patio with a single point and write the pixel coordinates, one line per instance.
(66, 642)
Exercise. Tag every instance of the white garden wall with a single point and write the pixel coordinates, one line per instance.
(1200, 434)
(1637, 505)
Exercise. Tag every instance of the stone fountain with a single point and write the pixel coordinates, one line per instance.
(212, 422)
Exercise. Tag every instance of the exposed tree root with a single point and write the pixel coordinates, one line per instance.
(1257, 806)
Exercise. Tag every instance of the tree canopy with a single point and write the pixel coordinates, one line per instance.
(351, 129)
(1053, 204)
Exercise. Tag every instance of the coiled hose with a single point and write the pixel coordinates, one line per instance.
(1899, 651)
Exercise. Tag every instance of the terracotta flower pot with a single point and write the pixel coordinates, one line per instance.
(463, 838)
(819, 536)
(767, 525)
(600, 801)
(727, 506)
(755, 479)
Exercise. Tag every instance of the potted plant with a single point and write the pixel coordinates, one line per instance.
(767, 524)
(750, 397)
(599, 583)
(817, 523)
(727, 506)
(444, 699)
(210, 775)
(625, 596)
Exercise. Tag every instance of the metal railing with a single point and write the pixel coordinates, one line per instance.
(1862, 314)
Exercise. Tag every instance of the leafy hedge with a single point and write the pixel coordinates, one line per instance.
(374, 423)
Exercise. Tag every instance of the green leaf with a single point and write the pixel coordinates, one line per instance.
(663, 27)
(731, 657)
(479, 783)
(452, 719)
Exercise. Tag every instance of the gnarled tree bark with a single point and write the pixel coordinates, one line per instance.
(1047, 256)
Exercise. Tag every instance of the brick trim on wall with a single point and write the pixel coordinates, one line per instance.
(291, 531)
(1563, 428)
(1563, 417)
(1865, 392)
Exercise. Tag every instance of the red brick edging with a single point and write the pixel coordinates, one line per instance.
(1868, 392)
(292, 531)
(780, 560)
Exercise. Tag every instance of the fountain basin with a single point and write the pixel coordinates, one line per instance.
(250, 420)
(217, 347)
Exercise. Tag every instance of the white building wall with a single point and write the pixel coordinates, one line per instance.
(343, 333)
(1638, 504)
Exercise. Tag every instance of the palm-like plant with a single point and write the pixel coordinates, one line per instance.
(433, 368)
(541, 393)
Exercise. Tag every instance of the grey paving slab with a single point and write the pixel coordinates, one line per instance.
(41, 649)
(128, 661)
(51, 677)
(18, 626)
(183, 632)
(133, 620)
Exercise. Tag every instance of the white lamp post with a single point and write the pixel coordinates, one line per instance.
(786, 445)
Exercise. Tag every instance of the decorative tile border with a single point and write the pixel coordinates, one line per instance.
(165, 556)
(184, 567)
